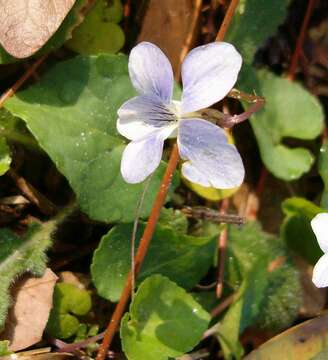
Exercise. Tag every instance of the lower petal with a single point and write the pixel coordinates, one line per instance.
(320, 272)
(210, 160)
(141, 158)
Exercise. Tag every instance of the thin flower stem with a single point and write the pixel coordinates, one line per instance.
(141, 253)
(300, 41)
(222, 246)
(227, 20)
(134, 233)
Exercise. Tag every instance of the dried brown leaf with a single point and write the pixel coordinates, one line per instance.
(78, 279)
(27, 318)
(301, 342)
(26, 25)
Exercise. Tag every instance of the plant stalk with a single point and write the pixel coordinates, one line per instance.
(141, 253)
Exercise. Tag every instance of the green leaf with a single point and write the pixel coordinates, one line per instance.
(184, 259)
(72, 112)
(300, 206)
(289, 112)
(98, 33)
(4, 347)
(296, 229)
(323, 171)
(298, 235)
(5, 158)
(21, 254)
(164, 321)
(174, 219)
(269, 293)
(68, 300)
(252, 248)
(244, 311)
(207, 299)
(64, 32)
(254, 21)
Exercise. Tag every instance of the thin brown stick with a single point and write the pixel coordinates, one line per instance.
(141, 253)
(261, 182)
(45, 205)
(222, 245)
(188, 42)
(223, 305)
(204, 213)
(29, 72)
(227, 20)
(300, 41)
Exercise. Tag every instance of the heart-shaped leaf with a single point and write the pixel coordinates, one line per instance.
(72, 112)
(289, 112)
(164, 321)
(184, 259)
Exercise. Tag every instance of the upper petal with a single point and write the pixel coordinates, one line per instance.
(320, 272)
(211, 160)
(150, 71)
(320, 228)
(208, 73)
(141, 158)
(141, 115)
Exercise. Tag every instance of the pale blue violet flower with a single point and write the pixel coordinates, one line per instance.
(208, 73)
(320, 228)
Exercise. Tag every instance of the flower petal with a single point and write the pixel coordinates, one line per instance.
(141, 158)
(320, 228)
(208, 73)
(212, 161)
(141, 115)
(150, 71)
(320, 272)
